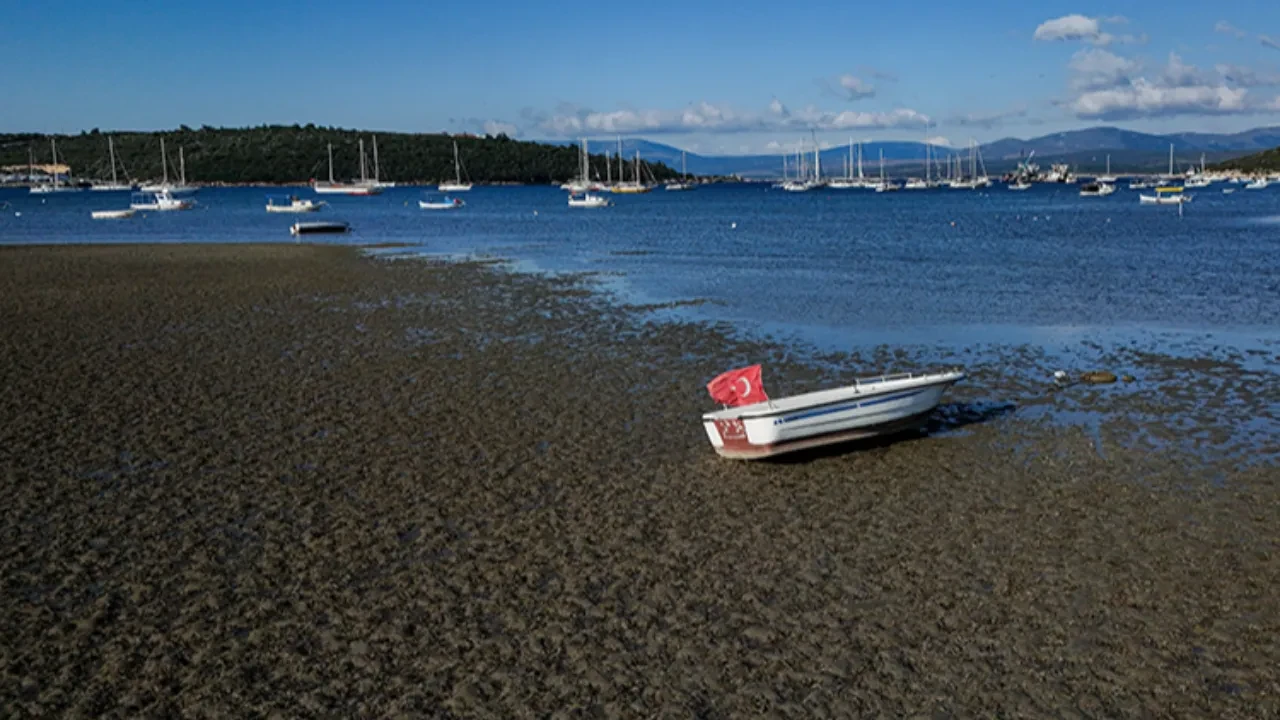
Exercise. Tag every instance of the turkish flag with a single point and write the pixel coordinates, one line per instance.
(738, 387)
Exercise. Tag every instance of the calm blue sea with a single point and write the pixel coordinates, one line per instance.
(839, 268)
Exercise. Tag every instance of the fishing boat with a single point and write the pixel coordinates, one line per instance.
(112, 214)
(437, 202)
(1096, 189)
(760, 427)
(1139, 185)
(292, 204)
(182, 188)
(160, 201)
(115, 185)
(54, 186)
(683, 183)
(457, 185)
(360, 189)
(1166, 195)
(587, 200)
(318, 228)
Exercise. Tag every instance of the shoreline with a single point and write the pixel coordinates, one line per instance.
(264, 477)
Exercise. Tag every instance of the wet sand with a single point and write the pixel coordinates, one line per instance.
(248, 480)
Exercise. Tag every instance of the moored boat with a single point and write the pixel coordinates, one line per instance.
(112, 214)
(318, 228)
(292, 204)
(160, 201)
(868, 407)
(457, 185)
(437, 202)
(1096, 189)
(587, 200)
(1165, 196)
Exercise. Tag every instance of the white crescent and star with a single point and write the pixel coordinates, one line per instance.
(746, 386)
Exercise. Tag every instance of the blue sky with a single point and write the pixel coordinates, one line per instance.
(715, 77)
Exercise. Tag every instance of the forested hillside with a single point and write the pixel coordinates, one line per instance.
(283, 154)
(1265, 161)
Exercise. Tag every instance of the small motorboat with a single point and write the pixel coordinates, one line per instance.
(160, 201)
(292, 204)
(760, 427)
(1171, 195)
(587, 200)
(1258, 184)
(1096, 189)
(112, 214)
(436, 202)
(1020, 185)
(318, 228)
(1139, 185)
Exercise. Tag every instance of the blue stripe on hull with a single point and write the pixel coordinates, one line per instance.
(843, 408)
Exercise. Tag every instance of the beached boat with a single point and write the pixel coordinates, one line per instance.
(868, 407)
(160, 201)
(457, 185)
(112, 214)
(437, 202)
(587, 200)
(1165, 196)
(318, 228)
(292, 204)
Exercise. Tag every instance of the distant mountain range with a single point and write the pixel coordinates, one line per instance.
(1085, 150)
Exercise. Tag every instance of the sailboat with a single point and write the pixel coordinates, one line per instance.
(1108, 178)
(457, 185)
(635, 186)
(364, 187)
(884, 185)
(583, 182)
(684, 183)
(164, 185)
(115, 185)
(847, 182)
(55, 186)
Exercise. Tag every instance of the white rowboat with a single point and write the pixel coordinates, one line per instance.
(868, 407)
(112, 214)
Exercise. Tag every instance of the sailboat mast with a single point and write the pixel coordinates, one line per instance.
(182, 167)
(1170, 159)
(457, 167)
(363, 174)
(164, 163)
(881, 166)
(608, 168)
(111, 149)
(54, 145)
(375, 157)
(330, 163)
(684, 163)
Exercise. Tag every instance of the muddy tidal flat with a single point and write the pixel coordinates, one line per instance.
(245, 481)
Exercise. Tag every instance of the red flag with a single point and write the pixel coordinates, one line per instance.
(738, 387)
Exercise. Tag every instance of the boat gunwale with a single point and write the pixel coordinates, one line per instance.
(880, 385)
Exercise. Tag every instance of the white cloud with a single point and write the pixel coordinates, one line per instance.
(706, 117)
(1073, 27)
(1267, 41)
(497, 127)
(1094, 69)
(1142, 98)
(938, 140)
(1227, 28)
(856, 88)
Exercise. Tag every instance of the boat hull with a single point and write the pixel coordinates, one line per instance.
(302, 207)
(112, 214)
(438, 206)
(453, 187)
(358, 190)
(859, 413)
(319, 228)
